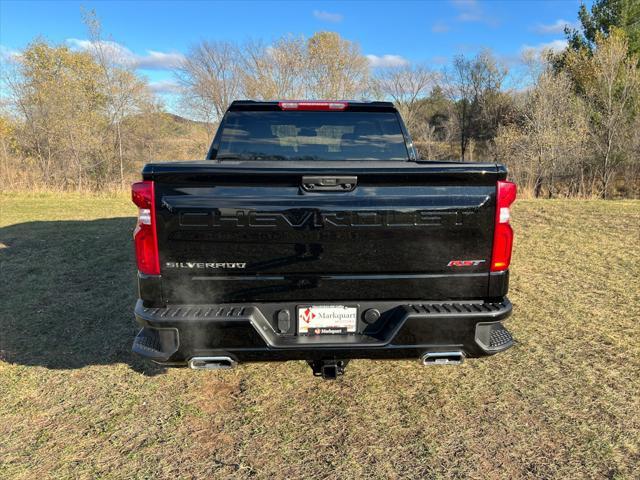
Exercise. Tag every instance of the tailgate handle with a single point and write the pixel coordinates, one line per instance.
(329, 183)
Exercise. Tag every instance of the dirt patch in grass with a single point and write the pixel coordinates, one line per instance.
(564, 402)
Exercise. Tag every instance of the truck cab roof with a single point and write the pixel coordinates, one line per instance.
(349, 105)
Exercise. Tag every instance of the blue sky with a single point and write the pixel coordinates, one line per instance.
(154, 35)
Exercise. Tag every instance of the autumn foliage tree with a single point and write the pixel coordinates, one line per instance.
(548, 143)
(275, 71)
(601, 20)
(58, 98)
(68, 112)
(322, 66)
(336, 67)
(611, 88)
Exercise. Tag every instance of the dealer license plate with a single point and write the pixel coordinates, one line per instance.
(327, 319)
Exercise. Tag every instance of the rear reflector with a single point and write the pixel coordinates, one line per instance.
(503, 233)
(144, 235)
(294, 105)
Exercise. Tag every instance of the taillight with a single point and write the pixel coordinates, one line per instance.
(503, 233)
(144, 235)
(300, 105)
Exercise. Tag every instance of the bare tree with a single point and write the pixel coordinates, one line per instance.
(276, 71)
(211, 79)
(126, 94)
(405, 86)
(613, 93)
(549, 141)
(471, 85)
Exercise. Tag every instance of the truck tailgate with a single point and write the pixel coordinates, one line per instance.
(253, 231)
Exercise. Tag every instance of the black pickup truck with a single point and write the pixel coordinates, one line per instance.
(313, 232)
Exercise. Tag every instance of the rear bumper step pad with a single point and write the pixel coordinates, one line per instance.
(253, 333)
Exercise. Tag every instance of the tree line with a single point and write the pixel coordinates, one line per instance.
(571, 127)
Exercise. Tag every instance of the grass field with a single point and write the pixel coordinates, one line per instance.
(74, 402)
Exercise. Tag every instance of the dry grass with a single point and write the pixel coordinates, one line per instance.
(563, 403)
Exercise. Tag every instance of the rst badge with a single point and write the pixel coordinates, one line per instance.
(465, 263)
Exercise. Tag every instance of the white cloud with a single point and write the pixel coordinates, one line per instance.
(328, 16)
(387, 61)
(554, 46)
(556, 27)
(9, 55)
(471, 11)
(160, 60)
(164, 86)
(469, 17)
(120, 54)
(114, 51)
(440, 27)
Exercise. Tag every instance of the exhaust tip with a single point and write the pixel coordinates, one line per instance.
(442, 358)
(212, 363)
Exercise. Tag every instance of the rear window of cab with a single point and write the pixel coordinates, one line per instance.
(311, 135)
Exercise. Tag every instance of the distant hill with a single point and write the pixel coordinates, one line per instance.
(180, 119)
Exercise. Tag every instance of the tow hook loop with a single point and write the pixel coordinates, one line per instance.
(328, 369)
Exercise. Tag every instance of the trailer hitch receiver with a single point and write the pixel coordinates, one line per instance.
(328, 369)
